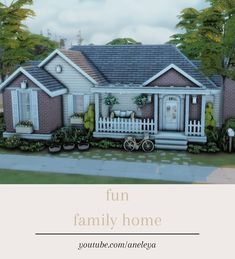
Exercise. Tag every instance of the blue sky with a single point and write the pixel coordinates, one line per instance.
(148, 21)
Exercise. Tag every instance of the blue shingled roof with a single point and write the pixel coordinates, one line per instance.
(45, 78)
(217, 79)
(135, 64)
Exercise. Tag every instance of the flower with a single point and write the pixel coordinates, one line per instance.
(26, 124)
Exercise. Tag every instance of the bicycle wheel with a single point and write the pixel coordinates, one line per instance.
(129, 145)
(148, 146)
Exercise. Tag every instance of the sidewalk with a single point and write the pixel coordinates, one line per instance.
(137, 170)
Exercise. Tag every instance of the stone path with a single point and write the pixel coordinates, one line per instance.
(137, 170)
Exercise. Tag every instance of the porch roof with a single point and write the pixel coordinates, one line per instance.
(140, 89)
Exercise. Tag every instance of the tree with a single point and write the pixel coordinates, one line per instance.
(40, 46)
(13, 35)
(209, 35)
(123, 41)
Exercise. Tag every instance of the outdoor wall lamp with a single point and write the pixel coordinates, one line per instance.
(194, 100)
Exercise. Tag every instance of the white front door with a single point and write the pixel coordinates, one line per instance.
(171, 113)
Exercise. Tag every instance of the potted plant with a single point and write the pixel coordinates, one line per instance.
(77, 118)
(24, 127)
(83, 145)
(68, 142)
(141, 100)
(55, 145)
(110, 101)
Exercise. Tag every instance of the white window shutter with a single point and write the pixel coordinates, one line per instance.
(86, 102)
(15, 107)
(70, 105)
(34, 110)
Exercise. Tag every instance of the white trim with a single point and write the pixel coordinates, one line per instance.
(28, 136)
(152, 90)
(172, 66)
(86, 102)
(58, 52)
(34, 111)
(34, 80)
(70, 105)
(15, 107)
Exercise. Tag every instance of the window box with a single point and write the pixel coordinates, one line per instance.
(24, 127)
(24, 130)
(77, 118)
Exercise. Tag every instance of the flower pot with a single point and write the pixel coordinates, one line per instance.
(83, 146)
(55, 149)
(76, 120)
(68, 147)
(24, 130)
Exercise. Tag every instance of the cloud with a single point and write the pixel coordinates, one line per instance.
(148, 21)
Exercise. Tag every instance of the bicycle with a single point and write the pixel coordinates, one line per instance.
(131, 144)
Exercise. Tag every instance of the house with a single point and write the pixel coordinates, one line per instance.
(47, 93)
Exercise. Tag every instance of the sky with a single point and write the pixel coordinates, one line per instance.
(100, 21)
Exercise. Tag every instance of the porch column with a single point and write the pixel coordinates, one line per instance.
(156, 121)
(97, 112)
(186, 114)
(203, 115)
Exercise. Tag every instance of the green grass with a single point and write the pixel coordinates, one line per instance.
(18, 177)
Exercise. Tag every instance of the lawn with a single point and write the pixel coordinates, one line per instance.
(159, 156)
(17, 177)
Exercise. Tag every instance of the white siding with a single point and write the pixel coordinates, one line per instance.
(216, 98)
(72, 79)
(126, 103)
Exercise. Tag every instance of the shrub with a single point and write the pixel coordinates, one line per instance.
(207, 148)
(12, 142)
(210, 121)
(106, 144)
(32, 146)
(90, 119)
(195, 149)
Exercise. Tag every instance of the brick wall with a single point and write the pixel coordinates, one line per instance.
(195, 109)
(229, 99)
(172, 78)
(50, 109)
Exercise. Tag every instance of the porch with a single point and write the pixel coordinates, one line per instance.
(181, 122)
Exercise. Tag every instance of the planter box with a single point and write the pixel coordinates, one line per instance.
(76, 120)
(24, 130)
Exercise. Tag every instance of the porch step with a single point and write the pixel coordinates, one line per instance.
(169, 140)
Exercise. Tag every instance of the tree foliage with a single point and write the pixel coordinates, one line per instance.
(17, 44)
(124, 41)
(209, 35)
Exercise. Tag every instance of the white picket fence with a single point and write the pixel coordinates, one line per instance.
(123, 125)
(194, 128)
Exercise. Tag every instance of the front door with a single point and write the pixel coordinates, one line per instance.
(171, 113)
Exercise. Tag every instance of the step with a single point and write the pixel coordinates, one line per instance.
(171, 142)
(171, 136)
(171, 147)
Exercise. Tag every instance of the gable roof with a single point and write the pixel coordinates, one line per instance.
(84, 63)
(135, 64)
(41, 78)
(179, 70)
(78, 61)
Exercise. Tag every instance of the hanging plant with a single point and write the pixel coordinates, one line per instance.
(110, 100)
(141, 100)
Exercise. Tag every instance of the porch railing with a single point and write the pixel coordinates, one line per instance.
(195, 128)
(123, 125)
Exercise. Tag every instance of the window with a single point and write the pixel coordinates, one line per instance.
(78, 103)
(25, 106)
(81, 103)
